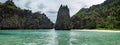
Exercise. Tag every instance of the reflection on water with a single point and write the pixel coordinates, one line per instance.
(63, 37)
(29, 37)
(52, 37)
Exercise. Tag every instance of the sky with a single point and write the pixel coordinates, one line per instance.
(50, 7)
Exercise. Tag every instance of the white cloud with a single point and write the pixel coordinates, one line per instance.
(53, 5)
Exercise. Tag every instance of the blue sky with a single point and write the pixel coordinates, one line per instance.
(50, 7)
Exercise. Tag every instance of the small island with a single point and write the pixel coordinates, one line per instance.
(63, 21)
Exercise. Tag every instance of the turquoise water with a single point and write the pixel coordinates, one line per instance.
(52, 37)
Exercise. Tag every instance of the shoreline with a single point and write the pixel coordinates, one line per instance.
(95, 30)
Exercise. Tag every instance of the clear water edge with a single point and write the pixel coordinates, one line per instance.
(52, 37)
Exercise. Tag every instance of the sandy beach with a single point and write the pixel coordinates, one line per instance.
(94, 30)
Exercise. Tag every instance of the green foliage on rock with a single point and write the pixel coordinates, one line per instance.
(105, 15)
(63, 21)
(13, 17)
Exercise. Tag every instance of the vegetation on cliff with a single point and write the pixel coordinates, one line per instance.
(105, 16)
(63, 19)
(13, 17)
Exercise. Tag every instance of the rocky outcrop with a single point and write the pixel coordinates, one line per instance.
(102, 16)
(63, 19)
(38, 21)
(12, 17)
(9, 3)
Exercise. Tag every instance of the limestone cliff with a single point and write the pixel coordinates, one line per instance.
(63, 19)
(12, 17)
(101, 16)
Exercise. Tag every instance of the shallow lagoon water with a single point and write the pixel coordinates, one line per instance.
(52, 37)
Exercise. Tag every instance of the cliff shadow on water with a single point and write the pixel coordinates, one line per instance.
(63, 37)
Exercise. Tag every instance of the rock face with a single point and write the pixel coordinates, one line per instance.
(102, 16)
(12, 17)
(38, 21)
(63, 19)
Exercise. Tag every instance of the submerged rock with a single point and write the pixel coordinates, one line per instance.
(63, 19)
